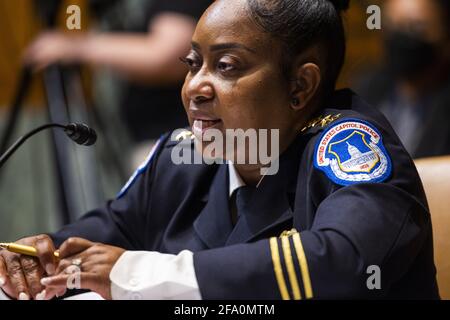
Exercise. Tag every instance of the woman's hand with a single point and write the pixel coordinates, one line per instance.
(20, 275)
(84, 265)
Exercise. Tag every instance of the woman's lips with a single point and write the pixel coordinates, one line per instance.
(200, 126)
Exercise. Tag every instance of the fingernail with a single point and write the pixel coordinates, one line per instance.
(2, 281)
(45, 281)
(41, 295)
(23, 296)
(50, 268)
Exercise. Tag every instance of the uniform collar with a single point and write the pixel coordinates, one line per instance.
(271, 204)
(234, 179)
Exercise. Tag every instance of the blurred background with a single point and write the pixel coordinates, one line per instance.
(120, 74)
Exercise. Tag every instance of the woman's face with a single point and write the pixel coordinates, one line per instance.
(235, 79)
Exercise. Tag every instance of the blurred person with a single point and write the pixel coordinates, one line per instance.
(413, 88)
(147, 58)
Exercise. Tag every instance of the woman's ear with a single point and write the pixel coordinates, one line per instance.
(307, 78)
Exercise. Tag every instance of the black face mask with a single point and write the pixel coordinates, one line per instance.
(408, 55)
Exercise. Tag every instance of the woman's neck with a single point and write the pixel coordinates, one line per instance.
(250, 174)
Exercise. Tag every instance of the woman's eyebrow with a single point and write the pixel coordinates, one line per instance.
(223, 46)
(231, 45)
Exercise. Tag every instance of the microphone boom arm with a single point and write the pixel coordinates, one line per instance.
(70, 130)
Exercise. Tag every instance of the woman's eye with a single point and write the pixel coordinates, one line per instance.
(192, 63)
(225, 66)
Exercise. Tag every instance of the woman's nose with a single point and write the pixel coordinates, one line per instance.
(200, 89)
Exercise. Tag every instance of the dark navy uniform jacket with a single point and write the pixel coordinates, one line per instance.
(306, 236)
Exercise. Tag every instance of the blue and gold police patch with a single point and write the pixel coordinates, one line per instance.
(352, 151)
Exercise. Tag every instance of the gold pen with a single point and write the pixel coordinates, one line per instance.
(26, 250)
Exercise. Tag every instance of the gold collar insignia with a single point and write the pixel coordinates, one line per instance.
(185, 134)
(321, 121)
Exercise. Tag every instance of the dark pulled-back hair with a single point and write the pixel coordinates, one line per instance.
(300, 24)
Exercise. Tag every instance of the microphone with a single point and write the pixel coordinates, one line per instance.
(78, 132)
(81, 134)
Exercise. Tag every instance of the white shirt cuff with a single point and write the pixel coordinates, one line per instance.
(152, 275)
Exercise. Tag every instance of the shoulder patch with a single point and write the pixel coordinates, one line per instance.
(352, 151)
(139, 170)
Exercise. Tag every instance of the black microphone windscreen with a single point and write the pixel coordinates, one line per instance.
(81, 134)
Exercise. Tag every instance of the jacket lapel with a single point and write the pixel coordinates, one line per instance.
(271, 204)
(267, 210)
(213, 225)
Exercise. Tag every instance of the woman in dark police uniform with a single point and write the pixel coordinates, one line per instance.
(344, 216)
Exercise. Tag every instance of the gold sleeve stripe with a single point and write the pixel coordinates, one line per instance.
(290, 268)
(277, 268)
(303, 265)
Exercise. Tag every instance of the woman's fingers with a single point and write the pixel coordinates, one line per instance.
(33, 273)
(72, 255)
(71, 264)
(68, 276)
(61, 292)
(85, 280)
(45, 248)
(3, 272)
(16, 276)
(61, 282)
(5, 283)
(34, 269)
(52, 292)
(56, 282)
(73, 246)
